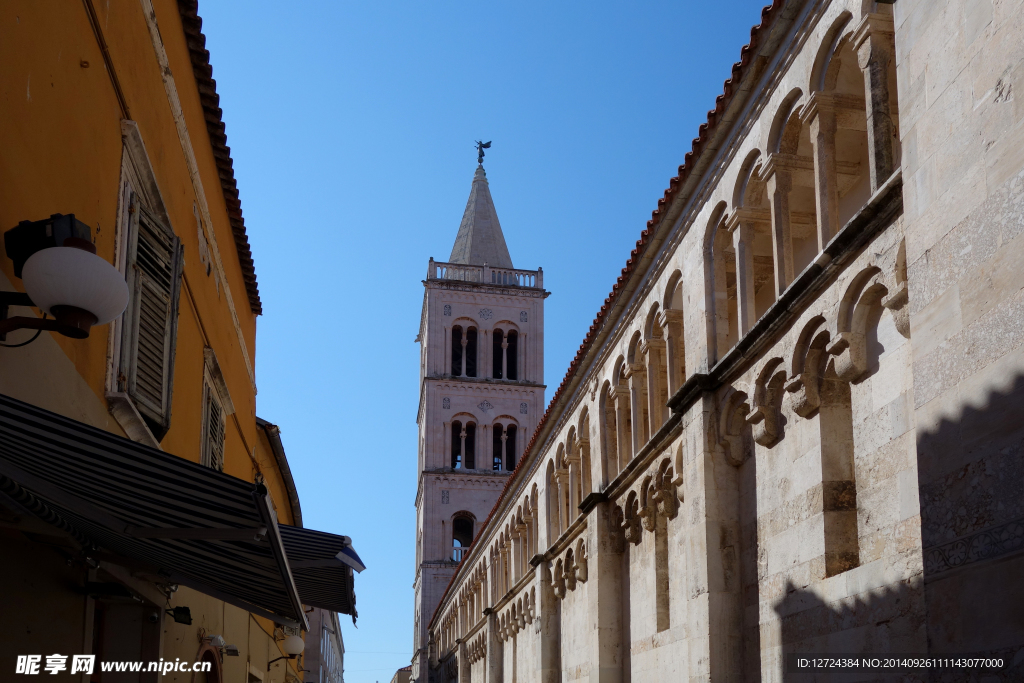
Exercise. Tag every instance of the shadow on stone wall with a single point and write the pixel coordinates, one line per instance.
(887, 620)
(971, 485)
(969, 600)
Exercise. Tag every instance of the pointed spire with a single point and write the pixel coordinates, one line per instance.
(480, 239)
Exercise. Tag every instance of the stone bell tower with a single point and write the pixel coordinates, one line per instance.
(481, 395)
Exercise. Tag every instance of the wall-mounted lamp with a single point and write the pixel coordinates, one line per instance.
(292, 646)
(181, 615)
(218, 642)
(63, 276)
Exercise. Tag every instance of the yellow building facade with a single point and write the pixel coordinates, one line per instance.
(109, 112)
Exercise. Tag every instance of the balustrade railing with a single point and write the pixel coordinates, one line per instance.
(507, 277)
(458, 552)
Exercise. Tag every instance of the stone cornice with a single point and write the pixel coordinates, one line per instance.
(504, 290)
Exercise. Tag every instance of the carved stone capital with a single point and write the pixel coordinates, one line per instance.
(850, 350)
(897, 305)
(805, 396)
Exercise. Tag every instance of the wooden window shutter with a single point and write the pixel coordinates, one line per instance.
(213, 429)
(154, 282)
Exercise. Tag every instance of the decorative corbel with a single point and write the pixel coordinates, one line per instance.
(809, 360)
(897, 301)
(569, 571)
(631, 530)
(558, 580)
(648, 512)
(581, 563)
(664, 495)
(766, 418)
(732, 425)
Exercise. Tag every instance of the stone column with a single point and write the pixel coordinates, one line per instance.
(609, 451)
(563, 491)
(637, 401)
(586, 473)
(574, 487)
(485, 360)
(504, 449)
(672, 322)
(623, 438)
(504, 355)
(741, 227)
(874, 41)
(604, 596)
(465, 346)
(820, 117)
(780, 183)
(484, 447)
(495, 663)
(654, 351)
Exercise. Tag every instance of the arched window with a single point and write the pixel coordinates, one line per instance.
(463, 445)
(504, 354)
(463, 351)
(462, 535)
(504, 447)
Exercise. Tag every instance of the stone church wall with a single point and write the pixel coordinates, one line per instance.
(797, 429)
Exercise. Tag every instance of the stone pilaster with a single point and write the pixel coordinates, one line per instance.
(779, 178)
(874, 41)
(604, 590)
(495, 663)
(820, 117)
(741, 226)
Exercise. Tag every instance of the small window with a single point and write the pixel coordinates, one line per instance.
(217, 407)
(140, 367)
(150, 324)
(462, 536)
(213, 426)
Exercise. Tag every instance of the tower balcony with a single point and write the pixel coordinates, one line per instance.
(486, 275)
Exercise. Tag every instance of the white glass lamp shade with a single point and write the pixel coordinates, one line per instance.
(293, 645)
(67, 276)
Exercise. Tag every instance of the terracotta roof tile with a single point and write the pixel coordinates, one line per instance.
(208, 97)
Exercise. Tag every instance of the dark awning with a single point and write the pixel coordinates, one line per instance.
(176, 519)
(322, 578)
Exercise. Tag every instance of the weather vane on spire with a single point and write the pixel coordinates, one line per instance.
(480, 147)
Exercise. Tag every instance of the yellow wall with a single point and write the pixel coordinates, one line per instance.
(61, 136)
(60, 133)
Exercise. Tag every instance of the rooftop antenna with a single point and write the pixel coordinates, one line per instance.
(480, 147)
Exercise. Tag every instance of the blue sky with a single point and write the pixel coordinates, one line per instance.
(351, 126)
